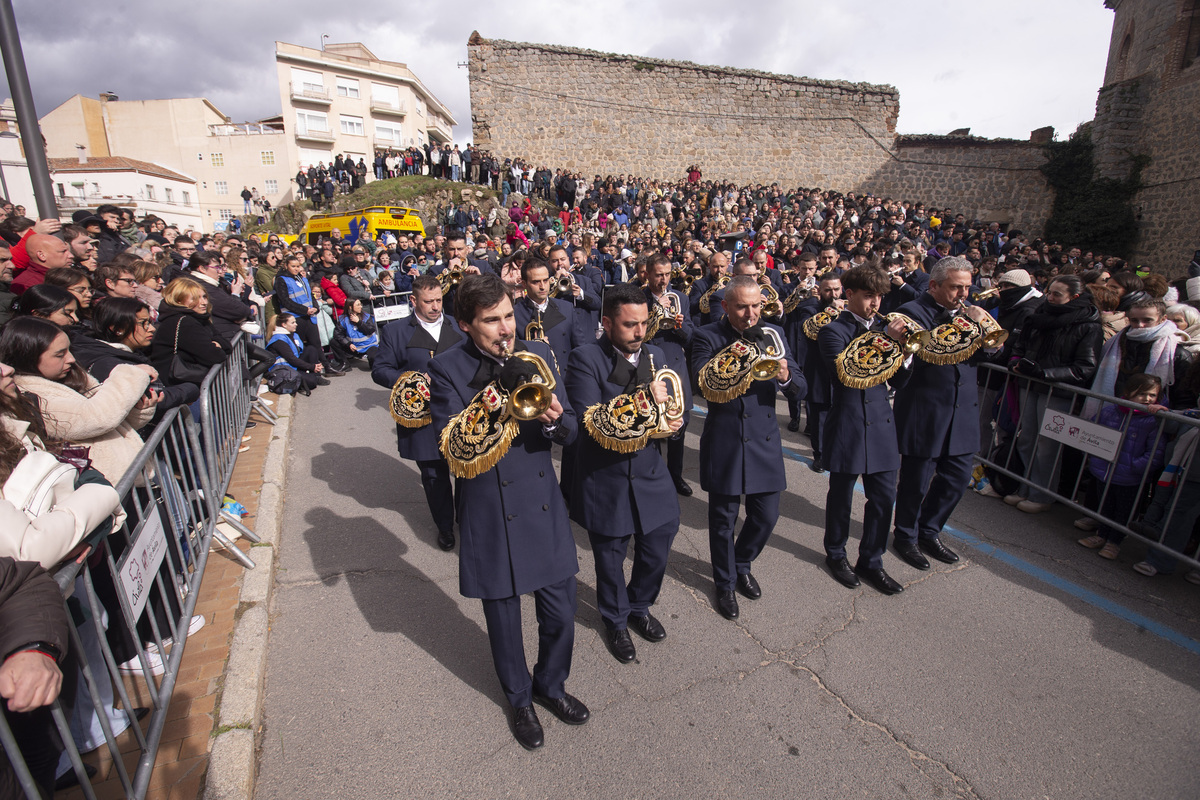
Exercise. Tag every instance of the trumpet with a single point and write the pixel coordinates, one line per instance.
(565, 286)
(993, 334)
(915, 337)
(672, 410)
(767, 366)
(535, 331)
(984, 295)
(449, 279)
(671, 308)
(771, 307)
(684, 278)
(530, 399)
(706, 298)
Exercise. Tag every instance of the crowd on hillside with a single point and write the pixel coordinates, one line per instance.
(110, 320)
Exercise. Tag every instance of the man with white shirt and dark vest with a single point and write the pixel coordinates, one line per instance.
(587, 286)
(673, 334)
(553, 316)
(408, 345)
(622, 489)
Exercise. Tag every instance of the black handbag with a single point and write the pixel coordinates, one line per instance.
(182, 371)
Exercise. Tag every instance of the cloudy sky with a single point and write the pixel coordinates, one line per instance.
(1001, 68)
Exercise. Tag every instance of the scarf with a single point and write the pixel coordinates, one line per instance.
(1164, 335)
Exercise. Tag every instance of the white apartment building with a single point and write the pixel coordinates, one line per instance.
(138, 185)
(344, 99)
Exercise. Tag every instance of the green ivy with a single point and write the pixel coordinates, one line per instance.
(1095, 213)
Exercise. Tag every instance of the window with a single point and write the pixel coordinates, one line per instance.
(420, 106)
(168, 195)
(222, 187)
(187, 198)
(307, 121)
(352, 125)
(271, 186)
(306, 81)
(268, 158)
(310, 157)
(389, 134)
(226, 214)
(347, 87)
(386, 95)
(149, 192)
(217, 159)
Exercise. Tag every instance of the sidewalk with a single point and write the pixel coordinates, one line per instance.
(182, 761)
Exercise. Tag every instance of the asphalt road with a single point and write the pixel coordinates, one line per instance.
(1031, 669)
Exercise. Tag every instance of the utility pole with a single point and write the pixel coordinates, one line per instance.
(31, 132)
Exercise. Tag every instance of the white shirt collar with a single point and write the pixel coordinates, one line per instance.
(434, 328)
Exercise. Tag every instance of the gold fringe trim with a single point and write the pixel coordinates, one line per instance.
(413, 423)
(482, 461)
(625, 446)
(725, 395)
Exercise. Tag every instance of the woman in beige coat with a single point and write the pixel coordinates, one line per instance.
(76, 407)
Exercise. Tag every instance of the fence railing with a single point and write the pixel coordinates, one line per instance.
(137, 592)
(1053, 441)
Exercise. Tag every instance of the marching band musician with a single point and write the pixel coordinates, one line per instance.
(555, 316)
(621, 492)
(409, 344)
(717, 267)
(586, 291)
(516, 537)
(860, 437)
(937, 416)
(455, 256)
(805, 351)
(673, 338)
(740, 449)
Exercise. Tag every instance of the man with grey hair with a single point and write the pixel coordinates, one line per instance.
(937, 422)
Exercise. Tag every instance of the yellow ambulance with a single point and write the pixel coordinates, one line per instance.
(364, 223)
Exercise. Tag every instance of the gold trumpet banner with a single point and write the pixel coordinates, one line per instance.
(409, 401)
(477, 437)
(624, 423)
(869, 360)
(728, 374)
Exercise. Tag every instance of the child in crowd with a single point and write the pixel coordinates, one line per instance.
(1139, 452)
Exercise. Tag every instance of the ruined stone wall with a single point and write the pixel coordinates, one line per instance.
(599, 113)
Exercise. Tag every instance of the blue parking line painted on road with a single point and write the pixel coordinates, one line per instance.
(1045, 576)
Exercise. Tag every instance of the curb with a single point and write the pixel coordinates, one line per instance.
(232, 760)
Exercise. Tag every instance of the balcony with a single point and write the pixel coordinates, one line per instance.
(385, 108)
(440, 131)
(245, 128)
(325, 137)
(309, 93)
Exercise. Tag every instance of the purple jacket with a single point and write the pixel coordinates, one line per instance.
(1135, 447)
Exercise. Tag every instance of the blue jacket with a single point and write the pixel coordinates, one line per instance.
(586, 317)
(740, 450)
(1135, 451)
(405, 345)
(616, 494)
(937, 411)
(515, 535)
(860, 432)
(806, 352)
(559, 321)
(674, 344)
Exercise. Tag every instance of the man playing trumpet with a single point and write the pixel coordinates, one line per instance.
(622, 489)
(740, 449)
(673, 334)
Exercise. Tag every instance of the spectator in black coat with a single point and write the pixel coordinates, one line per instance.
(184, 326)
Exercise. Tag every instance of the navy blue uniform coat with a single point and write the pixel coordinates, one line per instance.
(614, 494)
(405, 345)
(674, 343)
(938, 409)
(516, 537)
(559, 321)
(740, 451)
(860, 432)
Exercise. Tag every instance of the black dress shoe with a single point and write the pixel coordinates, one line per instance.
(794, 425)
(304, 390)
(446, 540)
(911, 555)
(569, 709)
(748, 586)
(727, 605)
(816, 466)
(68, 779)
(620, 645)
(648, 627)
(334, 373)
(322, 381)
(880, 580)
(682, 487)
(840, 569)
(526, 728)
(935, 549)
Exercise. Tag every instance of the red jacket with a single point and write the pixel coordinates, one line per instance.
(334, 293)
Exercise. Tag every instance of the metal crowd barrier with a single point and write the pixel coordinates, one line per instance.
(387, 307)
(226, 399)
(1052, 442)
(149, 570)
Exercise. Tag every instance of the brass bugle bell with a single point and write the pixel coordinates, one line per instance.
(768, 365)
(532, 397)
(993, 334)
(771, 307)
(670, 309)
(449, 279)
(564, 286)
(673, 409)
(915, 337)
(535, 331)
(684, 279)
(985, 294)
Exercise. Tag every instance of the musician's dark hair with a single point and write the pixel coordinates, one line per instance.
(532, 262)
(426, 281)
(558, 247)
(806, 256)
(623, 294)
(455, 236)
(866, 279)
(477, 293)
(656, 260)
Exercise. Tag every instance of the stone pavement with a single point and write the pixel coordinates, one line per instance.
(1015, 673)
(183, 757)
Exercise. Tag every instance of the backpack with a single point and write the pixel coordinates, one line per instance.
(283, 379)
